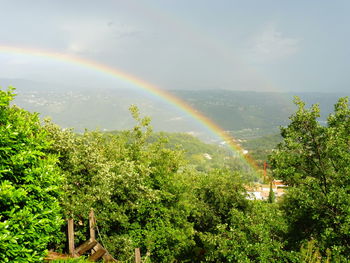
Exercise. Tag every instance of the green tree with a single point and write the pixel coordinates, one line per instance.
(271, 199)
(133, 185)
(231, 228)
(314, 160)
(29, 185)
(253, 234)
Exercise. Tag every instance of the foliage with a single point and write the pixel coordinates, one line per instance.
(131, 184)
(149, 192)
(146, 195)
(271, 197)
(311, 254)
(260, 148)
(29, 185)
(314, 161)
(229, 227)
(72, 260)
(255, 234)
(202, 156)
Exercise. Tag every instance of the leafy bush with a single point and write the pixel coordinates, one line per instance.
(132, 185)
(230, 228)
(29, 188)
(314, 160)
(72, 260)
(146, 195)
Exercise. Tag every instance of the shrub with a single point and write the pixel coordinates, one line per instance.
(29, 187)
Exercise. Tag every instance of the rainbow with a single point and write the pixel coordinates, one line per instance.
(130, 79)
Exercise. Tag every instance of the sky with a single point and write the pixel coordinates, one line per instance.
(259, 45)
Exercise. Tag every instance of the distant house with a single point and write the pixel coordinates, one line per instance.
(278, 187)
(255, 195)
(261, 191)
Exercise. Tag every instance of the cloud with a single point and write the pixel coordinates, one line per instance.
(95, 36)
(271, 44)
(18, 61)
(179, 118)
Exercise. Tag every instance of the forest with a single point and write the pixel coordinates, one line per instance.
(156, 192)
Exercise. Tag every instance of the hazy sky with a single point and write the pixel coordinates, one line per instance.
(189, 44)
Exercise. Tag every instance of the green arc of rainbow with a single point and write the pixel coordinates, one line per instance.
(127, 78)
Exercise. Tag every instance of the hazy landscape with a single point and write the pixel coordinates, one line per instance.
(174, 131)
(242, 113)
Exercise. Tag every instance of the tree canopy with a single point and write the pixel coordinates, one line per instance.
(314, 160)
(149, 193)
(29, 186)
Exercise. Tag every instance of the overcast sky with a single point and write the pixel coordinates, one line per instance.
(294, 45)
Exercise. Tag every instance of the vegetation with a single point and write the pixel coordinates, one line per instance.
(72, 260)
(150, 193)
(29, 186)
(314, 161)
(247, 115)
(260, 148)
(205, 157)
(131, 184)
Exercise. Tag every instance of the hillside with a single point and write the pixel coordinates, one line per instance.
(202, 156)
(245, 114)
(260, 148)
(252, 114)
(171, 195)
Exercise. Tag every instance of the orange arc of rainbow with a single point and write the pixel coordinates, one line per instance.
(177, 102)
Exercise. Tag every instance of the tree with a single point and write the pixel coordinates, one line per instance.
(253, 234)
(271, 198)
(29, 185)
(314, 161)
(146, 195)
(132, 184)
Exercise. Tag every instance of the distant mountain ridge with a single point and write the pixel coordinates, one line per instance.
(240, 112)
(236, 110)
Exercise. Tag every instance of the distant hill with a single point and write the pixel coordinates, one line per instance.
(260, 148)
(245, 110)
(245, 114)
(91, 108)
